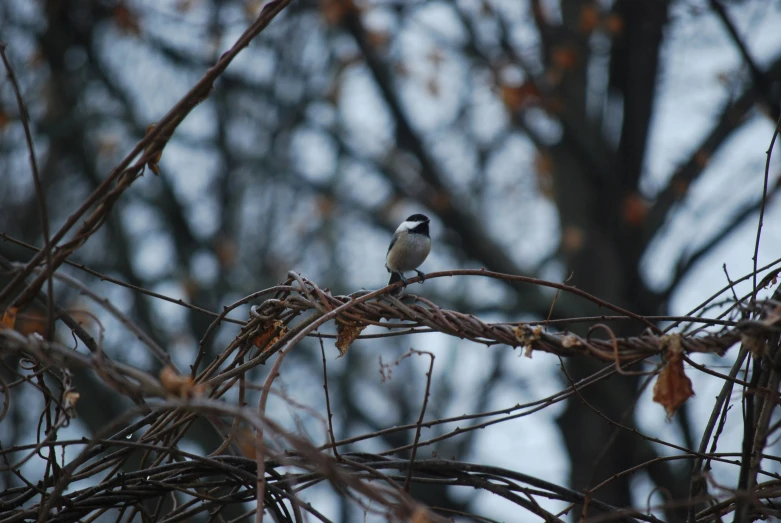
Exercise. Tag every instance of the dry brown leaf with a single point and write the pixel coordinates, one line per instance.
(126, 19)
(543, 163)
(334, 11)
(554, 104)
(181, 386)
(516, 97)
(565, 57)
(245, 440)
(345, 335)
(440, 201)
(9, 318)
(35, 322)
(528, 337)
(615, 24)
(226, 251)
(325, 205)
(421, 515)
(635, 209)
(270, 336)
(572, 239)
(754, 344)
(191, 286)
(589, 18)
(185, 5)
(672, 387)
(378, 39)
(570, 340)
(70, 398)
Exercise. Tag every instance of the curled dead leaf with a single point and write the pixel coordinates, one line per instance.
(335, 11)
(573, 238)
(9, 318)
(126, 19)
(378, 39)
(440, 201)
(528, 337)
(635, 209)
(71, 397)
(516, 97)
(615, 24)
(181, 386)
(270, 335)
(543, 163)
(226, 250)
(421, 515)
(672, 387)
(69, 400)
(245, 440)
(754, 344)
(589, 18)
(186, 5)
(346, 334)
(35, 321)
(565, 57)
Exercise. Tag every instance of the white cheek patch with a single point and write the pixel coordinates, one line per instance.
(406, 226)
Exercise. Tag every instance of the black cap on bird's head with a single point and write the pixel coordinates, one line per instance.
(417, 223)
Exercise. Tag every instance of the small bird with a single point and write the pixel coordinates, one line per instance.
(408, 248)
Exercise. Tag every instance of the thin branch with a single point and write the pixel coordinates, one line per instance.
(769, 154)
(40, 194)
(328, 403)
(422, 415)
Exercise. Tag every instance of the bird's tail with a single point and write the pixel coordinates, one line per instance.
(394, 277)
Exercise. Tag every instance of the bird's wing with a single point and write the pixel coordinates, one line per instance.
(393, 241)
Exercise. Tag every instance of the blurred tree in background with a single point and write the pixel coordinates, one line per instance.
(563, 140)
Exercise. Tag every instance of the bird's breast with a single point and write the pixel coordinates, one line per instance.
(409, 252)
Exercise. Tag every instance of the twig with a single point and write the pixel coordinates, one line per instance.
(162, 130)
(328, 403)
(769, 154)
(719, 411)
(732, 288)
(758, 77)
(420, 418)
(115, 281)
(40, 194)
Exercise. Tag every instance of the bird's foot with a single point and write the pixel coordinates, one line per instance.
(422, 275)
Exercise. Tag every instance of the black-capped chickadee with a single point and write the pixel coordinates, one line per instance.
(408, 248)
